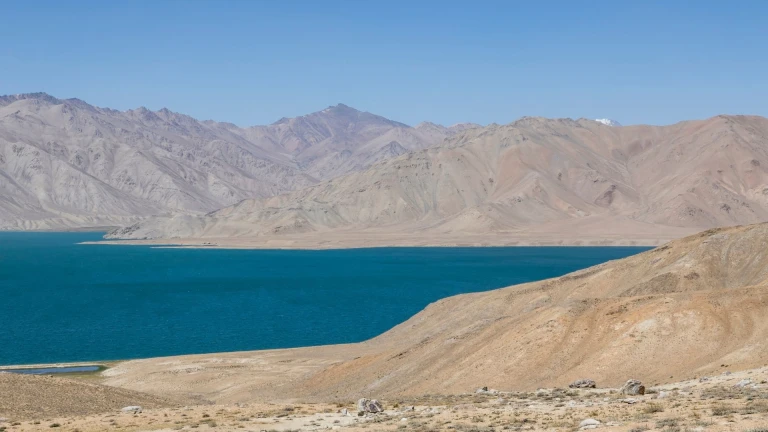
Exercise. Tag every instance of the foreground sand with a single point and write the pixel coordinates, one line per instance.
(727, 402)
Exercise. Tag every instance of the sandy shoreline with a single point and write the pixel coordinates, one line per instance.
(105, 364)
(369, 240)
(586, 232)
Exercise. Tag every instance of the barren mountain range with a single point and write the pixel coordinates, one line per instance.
(65, 163)
(533, 177)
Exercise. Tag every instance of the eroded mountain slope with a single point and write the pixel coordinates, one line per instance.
(529, 174)
(65, 163)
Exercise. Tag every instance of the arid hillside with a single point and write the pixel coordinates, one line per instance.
(66, 163)
(534, 177)
(690, 308)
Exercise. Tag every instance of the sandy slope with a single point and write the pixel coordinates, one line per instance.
(545, 176)
(35, 397)
(672, 313)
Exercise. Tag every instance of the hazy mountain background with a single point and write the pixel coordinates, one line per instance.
(532, 175)
(65, 163)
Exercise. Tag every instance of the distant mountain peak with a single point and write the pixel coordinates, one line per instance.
(464, 126)
(281, 121)
(429, 125)
(340, 112)
(340, 109)
(42, 96)
(608, 122)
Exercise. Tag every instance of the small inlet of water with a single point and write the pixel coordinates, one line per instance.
(54, 370)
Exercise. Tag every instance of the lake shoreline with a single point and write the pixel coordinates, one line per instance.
(137, 303)
(360, 241)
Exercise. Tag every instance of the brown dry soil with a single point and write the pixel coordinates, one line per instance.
(715, 403)
(39, 396)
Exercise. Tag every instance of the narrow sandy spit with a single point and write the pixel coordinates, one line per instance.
(352, 240)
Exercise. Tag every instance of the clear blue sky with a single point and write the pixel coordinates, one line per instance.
(252, 62)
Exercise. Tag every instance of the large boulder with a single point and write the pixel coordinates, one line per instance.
(583, 383)
(368, 406)
(633, 387)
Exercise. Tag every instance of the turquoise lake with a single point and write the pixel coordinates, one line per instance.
(60, 301)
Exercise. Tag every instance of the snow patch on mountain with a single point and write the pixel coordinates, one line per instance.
(608, 122)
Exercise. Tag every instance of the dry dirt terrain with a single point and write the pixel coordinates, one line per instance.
(534, 181)
(736, 402)
(31, 396)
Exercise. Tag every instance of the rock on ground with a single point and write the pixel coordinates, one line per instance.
(633, 387)
(589, 424)
(583, 383)
(365, 406)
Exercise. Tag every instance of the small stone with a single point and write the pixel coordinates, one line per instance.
(703, 379)
(743, 383)
(589, 424)
(482, 390)
(662, 394)
(345, 412)
(633, 387)
(403, 419)
(629, 401)
(583, 383)
(133, 409)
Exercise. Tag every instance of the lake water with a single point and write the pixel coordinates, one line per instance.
(55, 370)
(60, 301)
